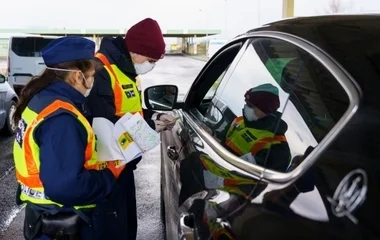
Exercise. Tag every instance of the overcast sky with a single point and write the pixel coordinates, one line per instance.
(234, 15)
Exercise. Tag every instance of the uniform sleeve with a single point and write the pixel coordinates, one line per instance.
(100, 102)
(278, 158)
(148, 115)
(62, 142)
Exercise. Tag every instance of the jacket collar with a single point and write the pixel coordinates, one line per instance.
(272, 122)
(116, 52)
(63, 89)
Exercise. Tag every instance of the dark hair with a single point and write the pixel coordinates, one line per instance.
(38, 83)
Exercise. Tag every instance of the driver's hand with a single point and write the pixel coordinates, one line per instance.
(159, 126)
(169, 120)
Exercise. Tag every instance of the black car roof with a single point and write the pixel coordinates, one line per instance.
(323, 19)
(352, 40)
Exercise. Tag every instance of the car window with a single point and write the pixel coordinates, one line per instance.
(29, 46)
(212, 76)
(211, 92)
(277, 103)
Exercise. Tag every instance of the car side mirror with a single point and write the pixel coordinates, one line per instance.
(161, 97)
(2, 78)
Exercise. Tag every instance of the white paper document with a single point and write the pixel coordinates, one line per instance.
(106, 146)
(125, 140)
(144, 136)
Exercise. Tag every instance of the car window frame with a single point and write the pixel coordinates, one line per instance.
(194, 95)
(346, 81)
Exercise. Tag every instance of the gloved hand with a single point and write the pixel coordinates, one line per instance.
(159, 126)
(169, 120)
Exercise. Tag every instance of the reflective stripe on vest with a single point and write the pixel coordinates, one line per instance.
(26, 152)
(138, 85)
(231, 181)
(242, 139)
(126, 93)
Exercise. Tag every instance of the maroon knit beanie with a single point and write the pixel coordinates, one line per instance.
(265, 97)
(145, 38)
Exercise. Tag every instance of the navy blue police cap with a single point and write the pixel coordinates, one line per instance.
(67, 49)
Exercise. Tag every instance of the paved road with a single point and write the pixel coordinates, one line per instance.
(171, 70)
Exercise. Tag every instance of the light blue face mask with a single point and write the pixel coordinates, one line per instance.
(249, 113)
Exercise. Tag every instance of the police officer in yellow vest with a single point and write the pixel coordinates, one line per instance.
(59, 176)
(259, 129)
(116, 93)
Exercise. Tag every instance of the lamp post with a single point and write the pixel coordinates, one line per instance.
(287, 8)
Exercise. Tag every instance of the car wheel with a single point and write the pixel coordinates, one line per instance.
(10, 126)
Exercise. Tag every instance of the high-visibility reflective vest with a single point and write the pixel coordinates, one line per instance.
(138, 84)
(242, 139)
(126, 93)
(26, 152)
(225, 180)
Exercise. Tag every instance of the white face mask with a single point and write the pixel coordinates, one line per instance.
(88, 88)
(145, 67)
(249, 113)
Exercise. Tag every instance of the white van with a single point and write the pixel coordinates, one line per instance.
(214, 45)
(24, 58)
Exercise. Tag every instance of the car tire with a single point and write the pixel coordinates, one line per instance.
(9, 128)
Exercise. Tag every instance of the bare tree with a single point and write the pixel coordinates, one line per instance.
(336, 6)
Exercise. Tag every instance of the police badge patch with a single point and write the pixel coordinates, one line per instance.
(20, 131)
(130, 94)
(246, 137)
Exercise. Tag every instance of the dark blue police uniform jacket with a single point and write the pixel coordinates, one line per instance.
(62, 141)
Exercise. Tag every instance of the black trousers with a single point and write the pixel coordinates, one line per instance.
(128, 183)
(116, 218)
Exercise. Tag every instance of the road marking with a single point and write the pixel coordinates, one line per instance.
(8, 221)
(7, 172)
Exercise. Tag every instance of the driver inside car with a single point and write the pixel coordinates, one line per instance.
(259, 135)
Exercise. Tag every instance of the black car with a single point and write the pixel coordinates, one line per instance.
(327, 70)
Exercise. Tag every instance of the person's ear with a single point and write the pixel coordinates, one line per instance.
(133, 55)
(74, 77)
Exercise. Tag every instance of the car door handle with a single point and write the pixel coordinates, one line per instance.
(186, 230)
(172, 153)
